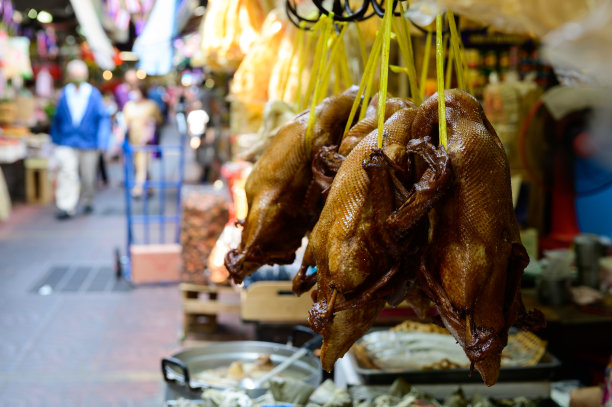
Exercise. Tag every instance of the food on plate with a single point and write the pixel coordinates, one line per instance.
(361, 262)
(401, 351)
(230, 376)
(407, 350)
(474, 260)
(284, 201)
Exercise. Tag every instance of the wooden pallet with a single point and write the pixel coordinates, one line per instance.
(201, 305)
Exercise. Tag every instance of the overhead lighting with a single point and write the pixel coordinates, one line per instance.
(107, 75)
(44, 17)
(32, 14)
(140, 74)
(128, 56)
(17, 17)
(199, 11)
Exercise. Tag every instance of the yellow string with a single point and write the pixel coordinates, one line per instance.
(287, 71)
(369, 86)
(412, 75)
(362, 47)
(455, 40)
(449, 65)
(335, 47)
(425, 67)
(384, 70)
(327, 26)
(312, 80)
(440, 77)
(368, 73)
(305, 45)
(343, 62)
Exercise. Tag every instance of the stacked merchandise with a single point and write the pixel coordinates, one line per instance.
(204, 217)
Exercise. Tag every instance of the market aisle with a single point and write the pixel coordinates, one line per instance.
(89, 342)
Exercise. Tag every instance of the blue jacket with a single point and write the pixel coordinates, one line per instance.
(93, 132)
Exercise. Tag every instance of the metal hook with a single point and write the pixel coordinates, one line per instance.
(295, 18)
(344, 13)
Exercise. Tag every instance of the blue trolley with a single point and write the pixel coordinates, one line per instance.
(155, 217)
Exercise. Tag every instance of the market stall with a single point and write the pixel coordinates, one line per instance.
(409, 181)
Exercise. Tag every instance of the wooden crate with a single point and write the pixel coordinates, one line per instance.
(274, 302)
(37, 183)
(201, 305)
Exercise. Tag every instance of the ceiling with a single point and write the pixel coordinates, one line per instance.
(58, 8)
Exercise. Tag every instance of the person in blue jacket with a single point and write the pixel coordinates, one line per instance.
(81, 128)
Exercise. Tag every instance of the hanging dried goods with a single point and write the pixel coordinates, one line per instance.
(284, 202)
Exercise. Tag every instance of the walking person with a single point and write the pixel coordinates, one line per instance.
(141, 116)
(80, 129)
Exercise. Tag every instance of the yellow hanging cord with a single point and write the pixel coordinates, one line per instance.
(415, 93)
(362, 47)
(368, 73)
(305, 45)
(287, 71)
(463, 60)
(312, 80)
(368, 88)
(337, 74)
(334, 52)
(440, 77)
(328, 24)
(384, 69)
(425, 67)
(343, 63)
(455, 40)
(449, 64)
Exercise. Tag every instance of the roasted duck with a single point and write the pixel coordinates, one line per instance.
(370, 122)
(474, 260)
(361, 262)
(328, 160)
(284, 201)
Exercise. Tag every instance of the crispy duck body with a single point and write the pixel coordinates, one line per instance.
(474, 261)
(370, 122)
(361, 262)
(284, 202)
(328, 160)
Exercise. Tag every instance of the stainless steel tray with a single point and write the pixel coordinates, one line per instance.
(543, 371)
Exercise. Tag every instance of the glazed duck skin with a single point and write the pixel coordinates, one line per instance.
(328, 160)
(473, 263)
(370, 122)
(284, 202)
(359, 259)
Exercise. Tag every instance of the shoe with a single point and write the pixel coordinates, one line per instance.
(63, 215)
(88, 210)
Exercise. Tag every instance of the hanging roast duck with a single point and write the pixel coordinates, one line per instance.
(474, 260)
(283, 201)
(361, 262)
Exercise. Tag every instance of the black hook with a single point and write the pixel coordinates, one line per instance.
(295, 18)
(344, 13)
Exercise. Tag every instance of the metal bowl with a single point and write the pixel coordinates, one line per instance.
(180, 369)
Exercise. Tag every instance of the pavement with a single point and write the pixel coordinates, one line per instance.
(70, 333)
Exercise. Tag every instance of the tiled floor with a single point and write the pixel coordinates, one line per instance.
(79, 348)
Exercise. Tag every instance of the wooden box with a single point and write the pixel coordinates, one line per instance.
(274, 302)
(155, 263)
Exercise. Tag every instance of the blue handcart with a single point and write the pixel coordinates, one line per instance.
(155, 216)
